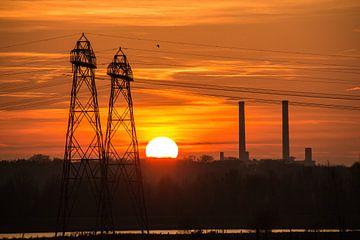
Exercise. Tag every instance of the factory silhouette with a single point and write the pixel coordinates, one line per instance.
(286, 157)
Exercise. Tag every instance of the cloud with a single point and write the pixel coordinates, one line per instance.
(353, 89)
(3, 145)
(161, 13)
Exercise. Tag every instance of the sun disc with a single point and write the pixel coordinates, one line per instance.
(162, 147)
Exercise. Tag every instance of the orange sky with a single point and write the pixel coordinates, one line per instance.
(33, 120)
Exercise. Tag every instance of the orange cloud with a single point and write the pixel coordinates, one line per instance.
(160, 13)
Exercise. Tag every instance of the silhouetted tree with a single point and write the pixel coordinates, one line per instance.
(206, 158)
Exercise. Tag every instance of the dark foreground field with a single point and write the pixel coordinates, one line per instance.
(223, 236)
(189, 195)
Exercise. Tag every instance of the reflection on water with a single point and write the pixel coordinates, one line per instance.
(51, 234)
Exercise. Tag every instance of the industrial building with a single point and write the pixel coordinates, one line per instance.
(286, 156)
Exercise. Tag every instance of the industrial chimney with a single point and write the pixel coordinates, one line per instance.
(285, 131)
(222, 156)
(309, 162)
(243, 155)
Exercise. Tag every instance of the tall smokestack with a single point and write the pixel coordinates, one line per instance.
(243, 155)
(285, 131)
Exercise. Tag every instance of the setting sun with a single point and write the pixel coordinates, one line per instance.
(162, 147)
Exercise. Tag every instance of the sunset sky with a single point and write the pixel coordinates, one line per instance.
(286, 46)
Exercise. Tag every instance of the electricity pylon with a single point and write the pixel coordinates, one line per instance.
(121, 141)
(84, 152)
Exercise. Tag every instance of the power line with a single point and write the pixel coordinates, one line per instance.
(304, 104)
(180, 43)
(256, 90)
(245, 66)
(332, 80)
(38, 41)
(29, 86)
(55, 52)
(204, 45)
(19, 104)
(167, 64)
(195, 44)
(328, 80)
(48, 63)
(213, 87)
(222, 88)
(33, 71)
(221, 46)
(341, 70)
(269, 101)
(172, 65)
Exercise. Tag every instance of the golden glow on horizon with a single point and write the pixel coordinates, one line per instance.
(162, 147)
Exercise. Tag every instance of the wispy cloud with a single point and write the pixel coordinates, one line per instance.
(161, 13)
(40, 55)
(353, 89)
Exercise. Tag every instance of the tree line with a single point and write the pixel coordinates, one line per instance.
(191, 195)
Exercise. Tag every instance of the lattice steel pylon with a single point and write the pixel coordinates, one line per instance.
(121, 141)
(84, 158)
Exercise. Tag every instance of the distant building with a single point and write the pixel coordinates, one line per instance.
(222, 158)
(308, 162)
